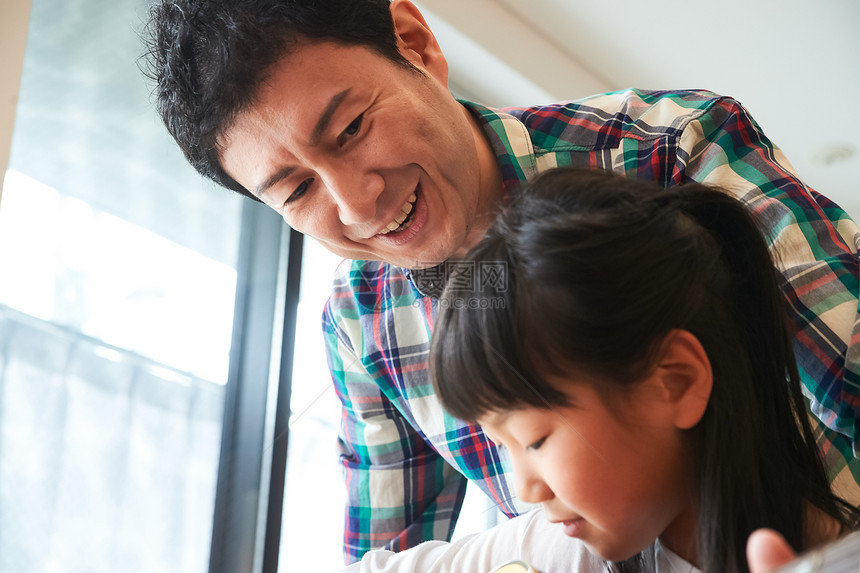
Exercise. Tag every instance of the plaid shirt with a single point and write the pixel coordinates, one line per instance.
(406, 461)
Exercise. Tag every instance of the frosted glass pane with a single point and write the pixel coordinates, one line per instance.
(117, 286)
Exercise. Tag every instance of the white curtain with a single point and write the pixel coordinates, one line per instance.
(108, 461)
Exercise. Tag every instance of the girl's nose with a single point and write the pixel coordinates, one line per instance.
(531, 488)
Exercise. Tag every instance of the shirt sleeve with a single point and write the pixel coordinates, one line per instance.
(400, 491)
(816, 247)
(529, 538)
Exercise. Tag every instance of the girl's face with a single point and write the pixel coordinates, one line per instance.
(615, 479)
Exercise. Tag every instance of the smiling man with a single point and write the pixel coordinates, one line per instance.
(336, 113)
(356, 164)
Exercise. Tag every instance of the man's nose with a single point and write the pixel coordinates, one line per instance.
(355, 194)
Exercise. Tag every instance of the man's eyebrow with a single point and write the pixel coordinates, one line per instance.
(326, 116)
(273, 180)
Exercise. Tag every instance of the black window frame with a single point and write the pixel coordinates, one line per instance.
(246, 527)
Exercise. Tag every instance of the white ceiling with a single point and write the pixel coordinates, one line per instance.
(794, 64)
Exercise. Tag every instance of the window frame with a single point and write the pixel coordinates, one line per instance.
(246, 528)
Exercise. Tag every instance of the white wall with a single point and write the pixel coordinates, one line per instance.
(14, 20)
(796, 69)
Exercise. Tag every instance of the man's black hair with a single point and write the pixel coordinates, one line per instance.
(208, 59)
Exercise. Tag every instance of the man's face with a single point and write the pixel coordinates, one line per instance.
(374, 160)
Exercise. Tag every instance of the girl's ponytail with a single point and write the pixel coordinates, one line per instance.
(779, 455)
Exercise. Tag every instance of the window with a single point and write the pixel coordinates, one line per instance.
(312, 531)
(119, 272)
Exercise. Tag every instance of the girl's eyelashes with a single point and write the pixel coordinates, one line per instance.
(536, 445)
(351, 130)
(299, 191)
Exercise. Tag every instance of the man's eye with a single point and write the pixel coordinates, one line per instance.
(536, 445)
(300, 190)
(352, 129)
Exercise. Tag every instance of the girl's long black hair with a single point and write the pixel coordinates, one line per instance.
(597, 270)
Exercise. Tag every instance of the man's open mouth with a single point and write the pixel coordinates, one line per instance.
(403, 219)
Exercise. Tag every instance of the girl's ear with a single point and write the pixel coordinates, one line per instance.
(416, 42)
(684, 373)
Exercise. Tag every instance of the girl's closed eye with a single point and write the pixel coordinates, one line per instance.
(536, 445)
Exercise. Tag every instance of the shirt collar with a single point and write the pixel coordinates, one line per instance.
(511, 143)
(670, 562)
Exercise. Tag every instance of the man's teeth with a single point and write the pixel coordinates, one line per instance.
(401, 216)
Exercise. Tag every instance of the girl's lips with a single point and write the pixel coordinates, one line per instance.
(574, 527)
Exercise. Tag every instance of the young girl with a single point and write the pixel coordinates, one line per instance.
(639, 373)
(635, 364)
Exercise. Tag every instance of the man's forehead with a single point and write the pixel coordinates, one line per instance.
(308, 78)
(318, 58)
(297, 97)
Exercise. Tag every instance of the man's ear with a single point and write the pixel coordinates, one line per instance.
(416, 42)
(684, 373)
